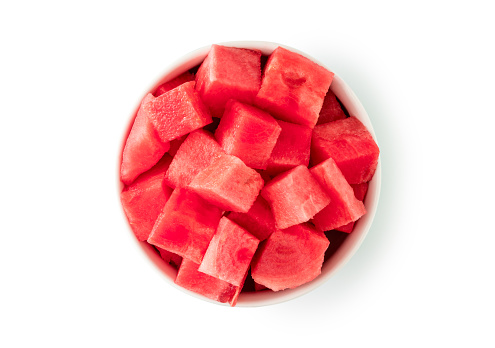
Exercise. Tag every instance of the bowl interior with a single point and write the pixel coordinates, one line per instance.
(351, 242)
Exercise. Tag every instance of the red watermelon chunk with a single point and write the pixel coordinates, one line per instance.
(230, 252)
(186, 225)
(289, 258)
(350, 144)
(247, 133)
(228, 183)
(258, 221)
(294, 197)
(143, 148)
(144, 199)
(344, 206)
(175, 145)
(195, 154)
(176, 82)
(213, 288)
(292, 148)
(360, 191)
(331, 109)
(228, 73)
(293, 87)
(178, 112)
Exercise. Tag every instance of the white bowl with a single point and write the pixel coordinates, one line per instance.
(352, 241)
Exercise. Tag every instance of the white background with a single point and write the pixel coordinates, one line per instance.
(70, 272)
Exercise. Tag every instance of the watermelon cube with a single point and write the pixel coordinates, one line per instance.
(350, 144)
(186, 225)
(293, 87)
(331, 109)
(258, 221)
(143, 148)
(292, 148)
(344, 206)
(247, 133)
(195, 154)
(230, 252)
(294, 197)
(360, 191)
(144, 199)
(228, 183)
(176, 82)
(228, 73)
(289, 258)
(178, 112)
(175, 145)
(213, 288)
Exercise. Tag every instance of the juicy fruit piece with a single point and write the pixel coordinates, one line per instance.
(294, 197)
(230, 252)
(331, 109)
(186, 225)
(228, 73)
(258, 221)
(143, 148)
(175, 145)
(247, 133)
(213, 288)
(178, 112)
(195, 154)
(144, 199)
(289, 258)
(228, 183)
(293, 87)
(360, 191)
(292, 148)
(344, 206)
(350, 144)
(176, 82)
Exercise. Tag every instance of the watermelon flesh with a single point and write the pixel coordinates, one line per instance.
(344, 206)
(186, 225)
(331, 109)
(292, 148)
(294, 197)
(175, 145)
(195, 154)
(176, 82)
(178, 112)
(248, 133)
(228, 73)
(144, 199)
(360, 191)
(228, 183)
(143, 148)
(258, 221)
(289, 258)
(350, 144)
(171, 258)
(293, 87)
(230, 252)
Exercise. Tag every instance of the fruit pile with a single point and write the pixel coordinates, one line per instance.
(242, 171)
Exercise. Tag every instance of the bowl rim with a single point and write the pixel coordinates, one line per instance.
(352, 242)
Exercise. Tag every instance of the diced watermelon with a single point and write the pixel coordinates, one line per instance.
(213, 288)
(294, 197)
(344, 206)
(176, 82)
(186, 225)
(293, 87)
(289, 258)
(171, 258)
(247, 133)
(228, 73)
(350, 144)
(228, 183)
(258, 221)
(144, 199)
(292, 148)
(178, 112)
(175, 144)
(143, 148)
(331, 109)
(195, 154)
(230, 252)
(360, 191)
